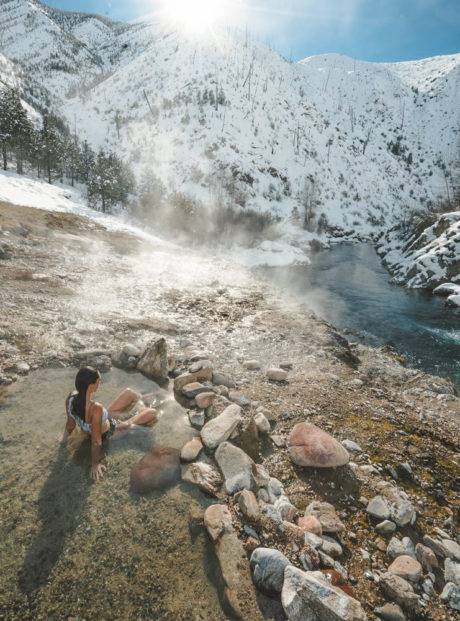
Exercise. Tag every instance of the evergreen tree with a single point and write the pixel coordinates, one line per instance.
(110, 182)
(86, 162)
(52, 145)
(15, 128)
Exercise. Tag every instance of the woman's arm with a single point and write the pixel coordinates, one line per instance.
(69, 425)
(97, 468)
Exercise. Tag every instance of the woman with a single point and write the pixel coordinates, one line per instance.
(95, 420)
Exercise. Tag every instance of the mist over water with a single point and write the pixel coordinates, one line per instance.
(349, 287)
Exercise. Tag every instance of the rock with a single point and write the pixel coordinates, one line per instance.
(286, 366)
(236, 573)
(378, 508)
(22, 368)
(158, 469)
(309, 596)
(451, 596)
(182, 380)
(262, 423)
(271, 514)
(399, 590)
(127, 357)
(351, 446)
(251, 365)
(191, 450)
(426, 557)
(101, 362)
(275, 488)
(386, 527)
(268, 569)
(331, 547)
(277, 375)
(221, 428)
(310, 524)
(285, 508)
(220, 379)
(398, 548)
(248, 504)
(327, 516)
(202, 369)
(406, 567)
(190, 391)
(154, 361)
(239, 399)
(310, 446)
(402, 512)
(205, 399)
(435, 545)
(277, 440)
(313, 541)
(428, 588)
(390, 612)
(5, 251)
(238, 468)
(204, 475)
(196, 419)
(452, 549)
(337, 579)
(452, 571)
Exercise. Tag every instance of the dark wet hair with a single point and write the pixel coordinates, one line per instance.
(85, 377)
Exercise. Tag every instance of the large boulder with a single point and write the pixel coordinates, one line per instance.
(221, 428)
(233, 562)
(310, 446)
(268, 567)
(238, 468)
(154, 361)
(309, 596)
(204, 475)
(158, 469)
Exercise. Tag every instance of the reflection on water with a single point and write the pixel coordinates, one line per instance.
(349, 287)
(69, 548)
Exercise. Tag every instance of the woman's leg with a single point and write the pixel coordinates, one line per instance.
(144, 417)
(124, 399)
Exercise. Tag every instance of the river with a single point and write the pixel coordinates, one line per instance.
(349, 287)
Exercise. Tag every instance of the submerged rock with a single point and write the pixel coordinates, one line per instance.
(158, 469)
(191, 449)
(204, 475)
(310, 446)
(309, 596)
(221, 428)
(268, 567)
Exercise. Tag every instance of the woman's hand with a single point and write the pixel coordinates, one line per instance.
(97, 472)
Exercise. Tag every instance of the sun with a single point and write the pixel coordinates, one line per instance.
(195, 16)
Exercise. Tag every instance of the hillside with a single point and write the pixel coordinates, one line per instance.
(224, 120)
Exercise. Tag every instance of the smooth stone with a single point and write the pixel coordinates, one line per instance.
(309, 596)
(184, 379)
(248, 504)
(221, 379)
(400, 590)
(285, 508)
(22, 367)
(221, 428)
(251, 365)
(351, 446)
(452, 549)
(327, 516)
(238, 468)
(426, 557)
(390, 612)
(397, 548)
(239, 398)
(262, 423)
(452, 571)
(406, 567)
(310, 446)
(331, 547)
(158, 469)
(313, 541)
(154, 361)
(191, 450)
(310, 524)
(205, 399)
(203, 475)
(378, 508)
(436, 545)
(202, 369)
(277, 375)
(196, 419)
(190, 391)
(231, 555)
(451, 595)
(386, 527)
(268, 567)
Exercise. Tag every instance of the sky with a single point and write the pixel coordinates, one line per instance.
(374, 30)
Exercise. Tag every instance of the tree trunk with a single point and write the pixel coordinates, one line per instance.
(5, 159)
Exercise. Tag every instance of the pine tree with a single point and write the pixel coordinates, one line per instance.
(15, 128)
(110, 182)
(86, 162)
(52, 147)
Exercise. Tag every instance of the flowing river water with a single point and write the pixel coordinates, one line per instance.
(349, 287)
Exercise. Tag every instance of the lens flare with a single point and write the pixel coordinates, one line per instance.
(196, 16)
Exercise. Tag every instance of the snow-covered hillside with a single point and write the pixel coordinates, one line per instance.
(226, 120)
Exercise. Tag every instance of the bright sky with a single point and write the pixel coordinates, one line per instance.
(378, 30)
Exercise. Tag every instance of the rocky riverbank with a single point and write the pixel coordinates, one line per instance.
(329, 460)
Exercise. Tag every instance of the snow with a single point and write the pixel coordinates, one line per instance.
(453, 300)
(448, 288)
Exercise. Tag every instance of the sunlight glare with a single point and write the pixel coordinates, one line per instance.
(195, 16)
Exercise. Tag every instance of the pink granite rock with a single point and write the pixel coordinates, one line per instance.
(309, 445)
(310, 524)
(406, 567)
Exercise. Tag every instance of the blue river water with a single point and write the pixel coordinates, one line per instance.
(349, 287)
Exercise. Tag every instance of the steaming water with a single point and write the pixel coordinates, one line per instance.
(349, 287)
(72, 549)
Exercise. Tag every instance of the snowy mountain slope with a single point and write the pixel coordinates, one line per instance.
(226, 120)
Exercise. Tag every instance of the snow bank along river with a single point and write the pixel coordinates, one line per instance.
(349, 287)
